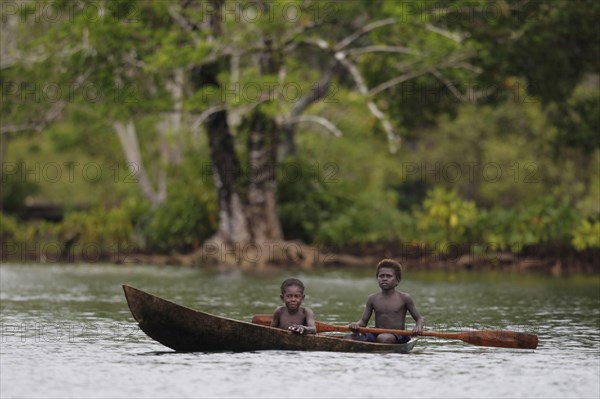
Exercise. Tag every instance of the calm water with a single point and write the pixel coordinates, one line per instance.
(66, 331)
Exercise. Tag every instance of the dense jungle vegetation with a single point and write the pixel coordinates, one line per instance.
(157, 126)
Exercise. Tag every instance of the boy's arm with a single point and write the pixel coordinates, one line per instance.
(276, 317)
(364, 319)
(311, 326)
(420, 321)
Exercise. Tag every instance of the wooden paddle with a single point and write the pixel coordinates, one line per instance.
(497, 338)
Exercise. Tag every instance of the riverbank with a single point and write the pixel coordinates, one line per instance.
(296, 255)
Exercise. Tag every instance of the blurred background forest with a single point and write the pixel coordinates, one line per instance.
(357, 127)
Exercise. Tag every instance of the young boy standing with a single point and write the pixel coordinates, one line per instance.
(390, 307)
(293, 316)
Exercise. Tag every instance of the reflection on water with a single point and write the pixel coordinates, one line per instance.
(66, 331)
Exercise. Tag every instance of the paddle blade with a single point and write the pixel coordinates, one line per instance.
(262, 319)
(503, 339)
(496, 338)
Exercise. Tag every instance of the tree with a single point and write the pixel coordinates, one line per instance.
(278, 53)
(248, 73)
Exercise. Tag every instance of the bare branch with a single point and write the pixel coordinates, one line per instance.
(290, 44)
(456, 61)
(358, 79)
(393, 139)
(326, 123)
(365, 29)
(320, 43)
(318, 91)
(449, 85)
(179, 19)
(205, 114)
(468, 67)
(446, 33)
(381, 49)
(396, 81)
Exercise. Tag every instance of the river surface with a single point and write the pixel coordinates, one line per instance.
(66, 332)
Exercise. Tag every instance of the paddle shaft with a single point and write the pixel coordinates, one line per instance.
(495, 338)
(324, 327)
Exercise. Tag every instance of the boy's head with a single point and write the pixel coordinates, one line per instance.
(290, 282)
(292, 294)
(391, 264)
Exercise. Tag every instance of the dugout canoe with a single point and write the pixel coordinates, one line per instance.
(184, 329)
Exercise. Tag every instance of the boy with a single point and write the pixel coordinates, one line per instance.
(390, 307)
(293, 316)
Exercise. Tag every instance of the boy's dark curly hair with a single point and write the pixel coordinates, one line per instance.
(392, 264)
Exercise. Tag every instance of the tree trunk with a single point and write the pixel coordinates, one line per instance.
(233, 226)
(251, 221)
(262, 190)
(318, 91)
(128, 138)
(171, 127)
(4, 139)
(249, 233)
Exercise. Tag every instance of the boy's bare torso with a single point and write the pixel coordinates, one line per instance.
(390, 309)
(287, 319)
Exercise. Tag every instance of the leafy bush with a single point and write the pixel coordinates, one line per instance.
(183, 222)
(106, 230)
(368, 220)
(547, 221)
(8, 227)
(445, 218)
(307, 199)
(15, 188)
(586, 234)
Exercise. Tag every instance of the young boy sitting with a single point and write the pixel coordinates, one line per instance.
(293, 316)
(390, 307)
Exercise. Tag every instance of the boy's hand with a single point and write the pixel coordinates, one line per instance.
(296, 328)
(418, 330)
(354, 327)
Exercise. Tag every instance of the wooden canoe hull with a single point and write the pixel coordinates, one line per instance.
(187, 330)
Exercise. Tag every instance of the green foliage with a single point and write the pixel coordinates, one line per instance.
(368, 220)
(578, 118)
(8, 227)
(513, 39)
(446, 218)
(527, 151)
(307, 199)
(106, 230)
(586, 235)
(548, 221)
(15, 189)
(183, 222)
(499, 156)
